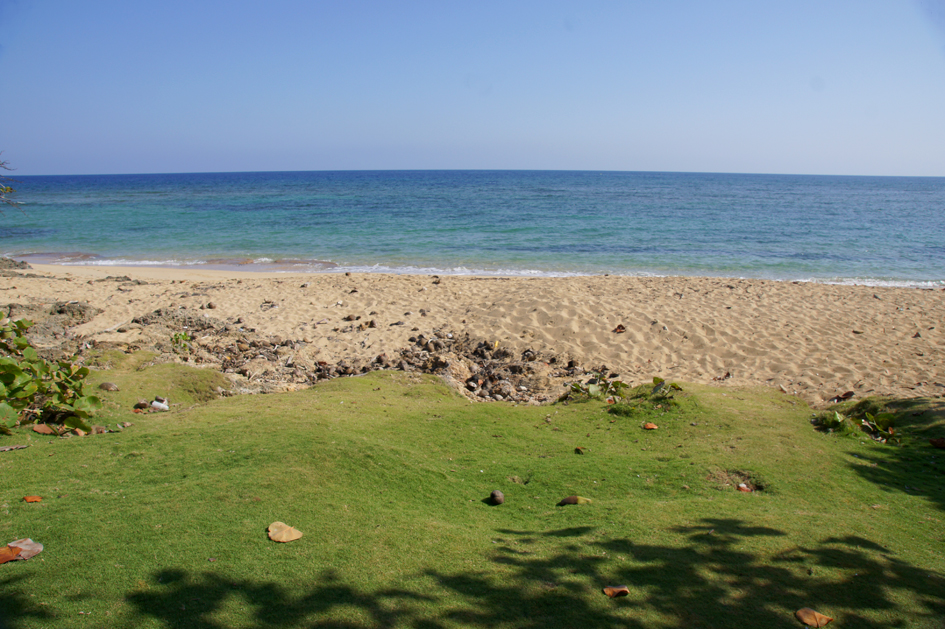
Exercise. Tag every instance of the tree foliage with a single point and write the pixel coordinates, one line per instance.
(5, 190)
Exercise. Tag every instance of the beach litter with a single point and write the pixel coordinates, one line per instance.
(20, 549)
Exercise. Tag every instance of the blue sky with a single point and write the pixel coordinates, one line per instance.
(819, 87)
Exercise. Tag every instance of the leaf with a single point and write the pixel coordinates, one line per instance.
(613, 591)
(28, 548)
(282, 532)
(43, 429)
(938, 442)
(33, 498)
(650, 426)
(658, 380)
(78, 423)
(574, 500)
(9, 553)
(811, 618)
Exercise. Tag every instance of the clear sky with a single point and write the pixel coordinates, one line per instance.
(821, 87)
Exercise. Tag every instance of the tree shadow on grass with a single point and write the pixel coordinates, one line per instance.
(711, 579)
(916, 468)
(16, 606)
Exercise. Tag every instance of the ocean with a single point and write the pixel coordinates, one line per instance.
(863, 230)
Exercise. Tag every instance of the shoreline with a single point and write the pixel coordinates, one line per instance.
(293, 266)
(810, 339)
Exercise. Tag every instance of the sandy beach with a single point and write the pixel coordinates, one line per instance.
(811, 340)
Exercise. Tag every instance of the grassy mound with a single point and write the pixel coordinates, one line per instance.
(387, 476)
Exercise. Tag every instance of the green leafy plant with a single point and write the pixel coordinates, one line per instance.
(181, 342)
(664, 389)
(599, 386)
(880, 427)
(657, 398)
(32, 387)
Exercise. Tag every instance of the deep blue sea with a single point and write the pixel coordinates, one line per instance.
(872, 230)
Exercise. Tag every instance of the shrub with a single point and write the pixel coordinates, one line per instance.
(32, 387)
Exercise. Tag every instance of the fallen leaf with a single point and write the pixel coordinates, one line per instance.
(43, 429)
(33, 498)
(28, 548)
(938, 443)
(574, 500)
(613, 591)
(282, 532)
(811, 618)
(9, 553)
(650, 426)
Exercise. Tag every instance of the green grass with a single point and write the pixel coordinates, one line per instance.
(386, 476)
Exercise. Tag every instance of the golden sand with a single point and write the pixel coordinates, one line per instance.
(815, 340)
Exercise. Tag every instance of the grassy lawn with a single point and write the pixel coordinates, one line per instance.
(164, 524)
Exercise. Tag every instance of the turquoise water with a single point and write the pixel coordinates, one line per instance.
(877, 230)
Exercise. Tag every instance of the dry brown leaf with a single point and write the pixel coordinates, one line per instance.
(650, 426)
(33, 498)
(28, 548)
(811, 618)
(613, 591)
(937, 442)
(9, 553)
(43, 429)
(282, 532)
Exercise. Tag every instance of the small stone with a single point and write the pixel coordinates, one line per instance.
(497, 497)
(108, 386)
(211, 306)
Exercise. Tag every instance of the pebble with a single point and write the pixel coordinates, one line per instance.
(497, 497)
(108, 386)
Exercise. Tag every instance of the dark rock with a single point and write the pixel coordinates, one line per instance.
(108, 386)
(497, 497)
(9, 263)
